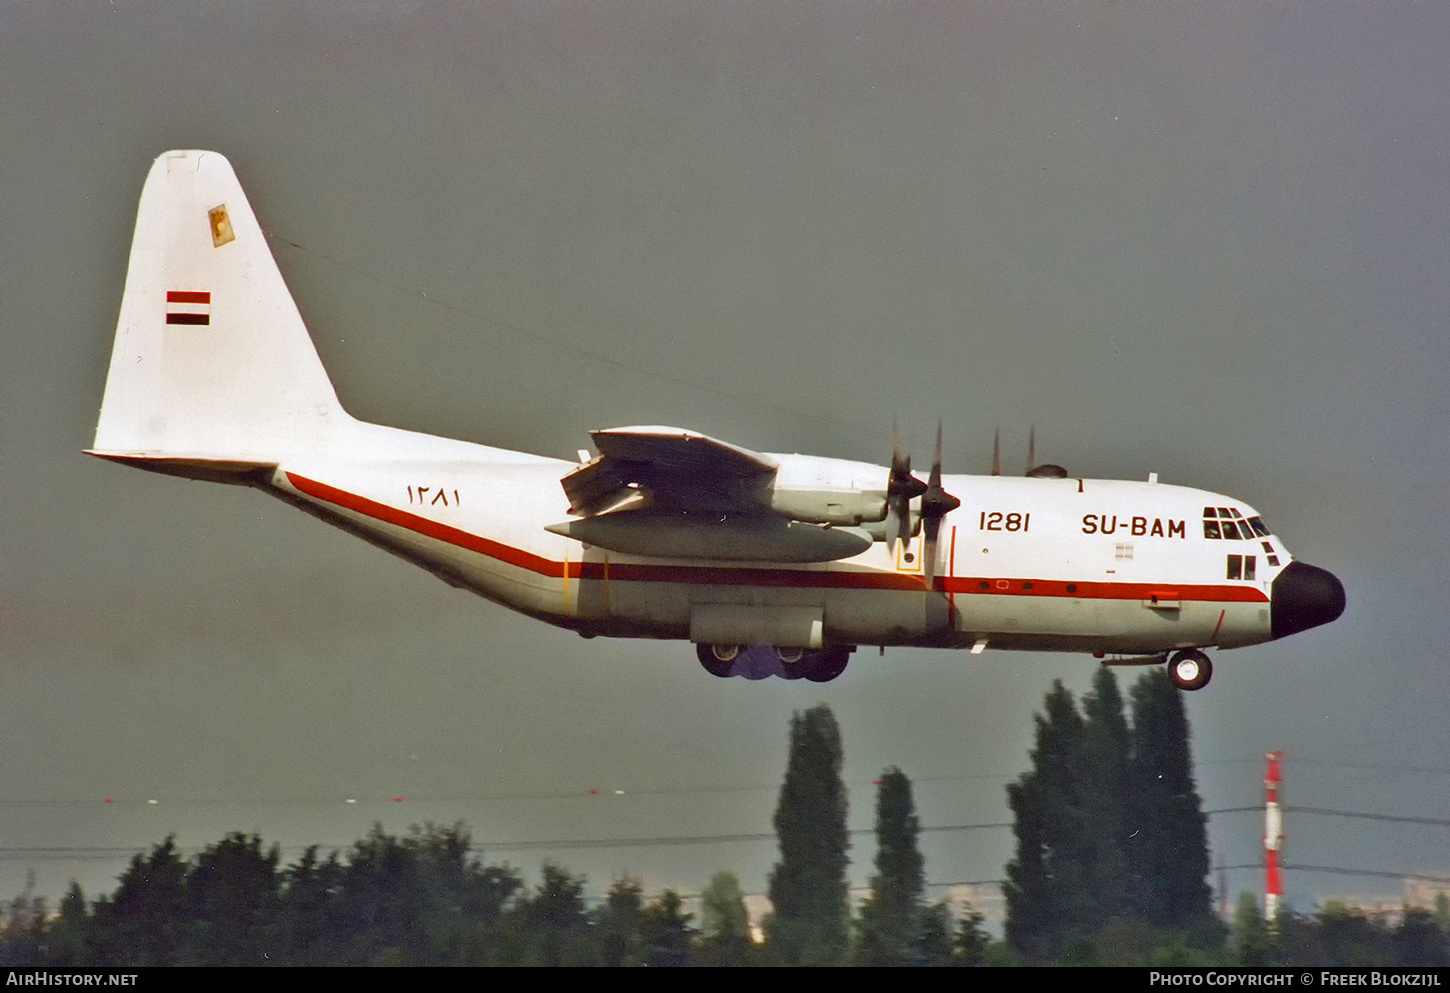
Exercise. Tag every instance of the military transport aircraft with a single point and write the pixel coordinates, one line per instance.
(667, 533)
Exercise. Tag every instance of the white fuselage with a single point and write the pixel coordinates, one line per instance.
(1025, 563)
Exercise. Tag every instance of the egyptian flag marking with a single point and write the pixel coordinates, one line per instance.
(188, 307)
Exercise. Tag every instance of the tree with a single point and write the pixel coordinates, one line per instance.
(618, 924)
(230, 897)
(69, 937)
(808, 891)
(1350, 938)
(307, 927)
(380, 903)
(22, 939)
(934, 942)
(556, 924)
(971, 942)
(1253, 942)
(142, 922)
(1107, 743)
(665, 931)
(1418, 941)
(724, 923)
(891, 919)
(1047, 890)
(1170, 863)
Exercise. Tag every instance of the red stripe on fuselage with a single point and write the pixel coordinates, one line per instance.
(836, 578)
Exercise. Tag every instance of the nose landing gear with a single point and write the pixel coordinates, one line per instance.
(1190, 669)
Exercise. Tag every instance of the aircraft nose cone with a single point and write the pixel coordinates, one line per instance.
(1303, 597)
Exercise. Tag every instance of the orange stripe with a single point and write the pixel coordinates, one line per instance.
(837, 578)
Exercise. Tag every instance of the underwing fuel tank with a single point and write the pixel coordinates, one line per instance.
(727, 537)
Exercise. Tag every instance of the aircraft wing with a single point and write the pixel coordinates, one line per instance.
(669, 468)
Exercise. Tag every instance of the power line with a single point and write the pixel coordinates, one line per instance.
(53, 853)
(520, 332)
(1374, 767)
(580, 793)
(856, 430)
(1434, 821)
(1381, 873)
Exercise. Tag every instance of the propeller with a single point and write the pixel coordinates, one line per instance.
(936, 503)
(901, 488)
(1044, 471)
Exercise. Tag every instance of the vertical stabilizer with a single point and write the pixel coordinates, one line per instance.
(212, 362)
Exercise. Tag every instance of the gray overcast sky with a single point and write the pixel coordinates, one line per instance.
(1207, 240)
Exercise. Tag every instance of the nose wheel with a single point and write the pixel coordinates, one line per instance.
(1190, 669)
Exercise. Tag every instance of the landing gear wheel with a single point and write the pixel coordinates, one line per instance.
(1190, 669)
(828, 664)
(718, 660)
(795, 663)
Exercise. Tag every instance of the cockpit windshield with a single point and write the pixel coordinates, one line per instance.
(1228, 522)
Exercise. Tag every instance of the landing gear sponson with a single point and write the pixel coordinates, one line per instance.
(789, 663)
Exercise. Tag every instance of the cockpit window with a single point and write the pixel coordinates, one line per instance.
(1230, 523)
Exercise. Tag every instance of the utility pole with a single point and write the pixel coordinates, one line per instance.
(1273, 838)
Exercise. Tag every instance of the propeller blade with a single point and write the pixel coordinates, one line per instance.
(936, 503)
(936, 459)
(901, 488)
(930, 528)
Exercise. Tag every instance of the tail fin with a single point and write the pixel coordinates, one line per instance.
(212, 363)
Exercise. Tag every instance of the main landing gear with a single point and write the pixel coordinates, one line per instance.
(760, 661)
(1190, 669)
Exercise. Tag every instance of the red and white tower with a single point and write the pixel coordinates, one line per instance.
(1273, 837)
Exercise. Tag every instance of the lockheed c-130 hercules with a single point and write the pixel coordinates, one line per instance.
(667, 533)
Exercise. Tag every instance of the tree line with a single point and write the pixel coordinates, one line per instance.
(1110, 867)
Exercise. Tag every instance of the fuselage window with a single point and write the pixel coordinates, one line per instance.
(1248, 567)
(1235, 566)
(1230, 530)
(1260, 528)
(1210, 529)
